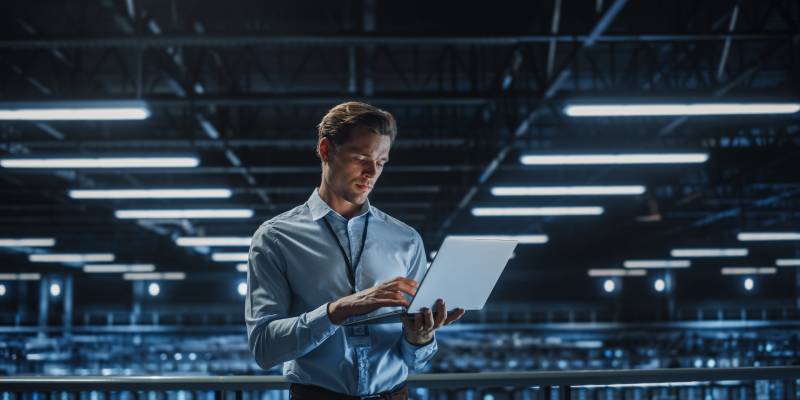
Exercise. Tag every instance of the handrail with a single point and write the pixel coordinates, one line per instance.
(433, 381)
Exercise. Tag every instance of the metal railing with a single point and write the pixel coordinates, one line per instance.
(543, 382)
(497, 314)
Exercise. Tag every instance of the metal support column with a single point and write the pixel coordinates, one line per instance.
(68, 304)
(136, 306)
(670, 289)
(44, 302)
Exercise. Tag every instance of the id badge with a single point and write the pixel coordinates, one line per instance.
(358, 336)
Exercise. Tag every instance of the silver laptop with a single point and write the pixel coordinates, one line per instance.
(463, 274)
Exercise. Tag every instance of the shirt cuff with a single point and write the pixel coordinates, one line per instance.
(421, 354)
(319, 324)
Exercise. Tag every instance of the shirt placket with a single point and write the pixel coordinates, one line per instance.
(353, 241)
(351, 244)
(363, 372)
(362, 350)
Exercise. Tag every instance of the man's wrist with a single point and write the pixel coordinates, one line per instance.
(334, 313)
(419, 340)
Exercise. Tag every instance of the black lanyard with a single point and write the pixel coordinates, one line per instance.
(350, 266)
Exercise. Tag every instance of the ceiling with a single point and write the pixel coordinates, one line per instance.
(242, 86)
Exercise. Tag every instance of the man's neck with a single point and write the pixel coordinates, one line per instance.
(338, 204)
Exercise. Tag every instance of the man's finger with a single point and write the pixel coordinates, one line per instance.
(405, 280)
(389, 294)
(407, 323)
(398, 296)
(441, 314)
(455, 316)
(389, 302)
(417, 322)
(427, 319)
(404, 286)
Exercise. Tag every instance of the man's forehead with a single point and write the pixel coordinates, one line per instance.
(368, 142)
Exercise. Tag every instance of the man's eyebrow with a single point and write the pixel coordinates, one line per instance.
(370, 156)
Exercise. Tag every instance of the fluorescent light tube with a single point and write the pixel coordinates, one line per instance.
(71, 258)
(75, 114)
(748, 270)
(709, 253)
(534, 211)
(28, 242)
(20, 277)
(522, 239)
(768, 236)
(118, 268)
(657, 264)
(101, 162)
(154, 276)
(229, 257)
(788, 262)
(637, 110)
(617, 272)
(566, 190)
(614, 159)
(213, 241)
(241, 267)
(151, 194)
(180, 214)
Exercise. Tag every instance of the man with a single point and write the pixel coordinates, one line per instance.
(334, 257)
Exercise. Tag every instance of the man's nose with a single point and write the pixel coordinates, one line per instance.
(370, 169)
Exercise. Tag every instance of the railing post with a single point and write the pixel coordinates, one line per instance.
(564, 392)
(544, 392)
(790, 390)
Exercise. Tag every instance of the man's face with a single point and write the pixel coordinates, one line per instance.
(353, 168)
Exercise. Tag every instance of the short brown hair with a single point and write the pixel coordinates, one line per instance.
(338, 123)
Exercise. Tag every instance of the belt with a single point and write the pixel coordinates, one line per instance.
(310, 392)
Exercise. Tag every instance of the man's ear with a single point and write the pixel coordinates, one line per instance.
(324, 146)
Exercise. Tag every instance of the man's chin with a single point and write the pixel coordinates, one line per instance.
(359, 198)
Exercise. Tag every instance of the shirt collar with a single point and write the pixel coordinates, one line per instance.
(319, 208)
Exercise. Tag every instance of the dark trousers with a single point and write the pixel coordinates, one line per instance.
(310, 392)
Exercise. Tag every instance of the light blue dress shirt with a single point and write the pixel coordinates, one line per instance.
(295, 269)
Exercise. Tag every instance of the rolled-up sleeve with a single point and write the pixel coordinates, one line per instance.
(273, 336)
(416, 357)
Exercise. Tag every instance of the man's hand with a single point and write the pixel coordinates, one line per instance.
(388, 294)
(419, 329)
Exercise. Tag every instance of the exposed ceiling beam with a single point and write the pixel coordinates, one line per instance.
(597, 32)
(276, 169)
(735, 81)
(401, 143)
(267, 40)
(271, 99)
